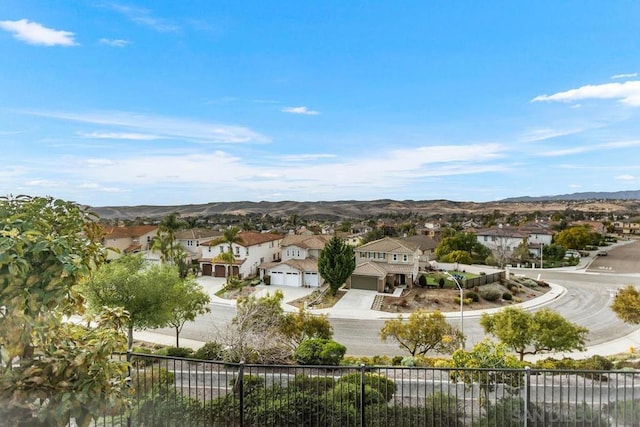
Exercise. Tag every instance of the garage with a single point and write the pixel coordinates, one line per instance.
(368, 283)
(220, 271)
(277, 278)
(292, 279)
(311, 280)
(207, 269)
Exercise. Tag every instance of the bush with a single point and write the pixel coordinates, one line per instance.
(490, 294)
(472, 295)
(466, 301)
(319, 351)
(349, 394)
(250, 383)
(210, 351)
(140, 361)
(507, 296)
(382, 384)
(314, 385)
(179, 352)
(441, 282)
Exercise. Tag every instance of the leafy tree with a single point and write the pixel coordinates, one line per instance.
(319, 351)
(143, 291)
(423, 332)
(489, 363)
(527, 333)
(461, 257)
(461, 241)
(521, 252)
(553, 252)
(189, 301)
(370, 236)
(577, 237)
(302, 325)
(626, 305)
(336, 263)
(52, 371)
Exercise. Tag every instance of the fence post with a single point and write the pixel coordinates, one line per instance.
(240, 383)
(527, 393)
(362, 420)
(129, 381)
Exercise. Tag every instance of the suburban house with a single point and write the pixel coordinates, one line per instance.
(131, 239)
(255, 249)
(626, 227)
(192, 239)
(385, 262)
(505, 239)
(425, 244)
(299, 265)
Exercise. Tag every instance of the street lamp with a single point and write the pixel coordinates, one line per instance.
(461, 304)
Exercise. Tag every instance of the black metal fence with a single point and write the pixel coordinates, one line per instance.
(188, 392)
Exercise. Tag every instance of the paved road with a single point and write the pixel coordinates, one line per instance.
(589, 295)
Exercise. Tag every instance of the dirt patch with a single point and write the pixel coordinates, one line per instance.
(320, 298)
(245, 291)
(447, 300)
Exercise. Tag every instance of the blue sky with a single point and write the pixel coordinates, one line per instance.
(169, 102)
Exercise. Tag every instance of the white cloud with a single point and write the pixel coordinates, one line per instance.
(44, 183)
(628, 93)
(300, 110)
(625, 177)
(114, 42)
(305, 157)
(143, 17)
(120, 135)
(162, 126)
(624, 76)
(541, 134)
(35, 33)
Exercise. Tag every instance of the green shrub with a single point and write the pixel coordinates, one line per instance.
(507, 296)
(472, 295)
(319, 351)
(385, 386)
(397, 360)
(438, 410)
(626, 412)
(140, 361)
(250, 384)
(349, 394)
(179, 352)
(490, 293)
(210, 351)
(315, 385)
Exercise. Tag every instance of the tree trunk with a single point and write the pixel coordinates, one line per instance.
(130, 338)
(177, 337)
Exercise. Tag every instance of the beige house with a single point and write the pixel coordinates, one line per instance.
(384, 263)
(299, 265)
(131, 239)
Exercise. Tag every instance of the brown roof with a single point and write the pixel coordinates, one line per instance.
(390, 245)
(197, 233)
(128, 232)
(316, 241)
(251, 238)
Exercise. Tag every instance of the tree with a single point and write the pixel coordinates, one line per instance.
(626, 305)
(577, 237)
(143, 291)
(302, 325)
(423, 332)
(487, 363)
(189, 301)
(527, 333)
(47, 247)
(462, 241)
(336, 263)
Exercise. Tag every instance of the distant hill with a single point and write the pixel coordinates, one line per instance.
(620, 202)
(615, 195)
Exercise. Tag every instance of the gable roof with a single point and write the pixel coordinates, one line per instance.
(197, 233)
(423, 242)
(390, 245)
(128, 231)
(251, 238)
(315, 241)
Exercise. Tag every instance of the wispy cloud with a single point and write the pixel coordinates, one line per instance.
(305, 157)
(300, 110)
(119, 135)
(542, 134)
(624, 76)
(628, 93)
(114, 42)
(161, 126)
(625, 177)
(37, 34)
(589, 148)
(142, 16)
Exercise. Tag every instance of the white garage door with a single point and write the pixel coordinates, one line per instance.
(311, 279)
(291, 279)
(277, 278)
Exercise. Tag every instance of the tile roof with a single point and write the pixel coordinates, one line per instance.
(389, 245)
(128, 232)
(251, 238)
(316, 241)
(197, 233)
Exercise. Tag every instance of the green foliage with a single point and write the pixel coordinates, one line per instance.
(624, 412)
(385, 386)
(319, 351)
(472, 296)
(626, 305)
(507, 296)
(314, 385)
(210, 351)
(531, 333)
(302, 325)
(439, 410)
(553, 252)
(188, 300)
(422, 332)
(179, 352)
(336, 263)
(250, 383)
(490, 293)
(349, 394)
(466, 247)
(578, 237)
(50, 369)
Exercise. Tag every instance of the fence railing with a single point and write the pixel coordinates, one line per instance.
(187, 392)
(483, 279)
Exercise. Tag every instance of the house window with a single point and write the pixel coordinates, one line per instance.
(261, 260)
(148, 239)
(221, 248)
(394, 257)
(288, 253)
(237, 250)
(247, 252)
(362, 254)
(486, 238)
(298, 254)
(405, 257)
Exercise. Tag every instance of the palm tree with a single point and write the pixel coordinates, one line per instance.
(229, 236)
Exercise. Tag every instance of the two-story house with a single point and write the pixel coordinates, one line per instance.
(254, 249)
(384, 262)
(503, 240)
(299, 265)
(130, 239)
(191, 240)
